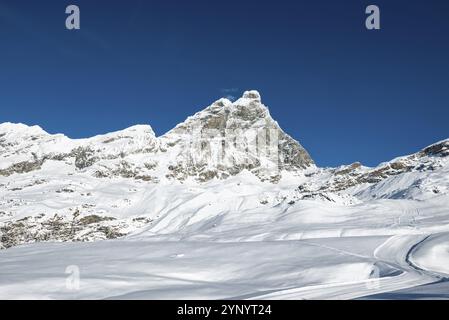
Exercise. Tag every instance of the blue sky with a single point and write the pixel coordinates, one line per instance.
(346, 93)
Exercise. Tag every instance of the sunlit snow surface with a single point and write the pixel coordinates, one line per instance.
(330, 268)
(317, 233)
(217, 241)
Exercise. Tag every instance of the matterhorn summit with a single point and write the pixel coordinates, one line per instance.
(232, 137)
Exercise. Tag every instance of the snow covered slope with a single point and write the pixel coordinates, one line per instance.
(227, 179)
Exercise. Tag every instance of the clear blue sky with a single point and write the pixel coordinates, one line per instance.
(346, 93)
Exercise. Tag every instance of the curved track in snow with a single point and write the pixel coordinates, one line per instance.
(431, 256)
(397, 252)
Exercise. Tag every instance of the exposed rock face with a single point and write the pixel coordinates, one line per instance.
(437, 149)
(22, 167)
(84, 157)
(227, 138)
(62, 228)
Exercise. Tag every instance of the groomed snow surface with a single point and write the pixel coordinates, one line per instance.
(330, 268)
(309, 250)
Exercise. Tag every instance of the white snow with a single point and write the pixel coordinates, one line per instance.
(433, 254)
(236, 236)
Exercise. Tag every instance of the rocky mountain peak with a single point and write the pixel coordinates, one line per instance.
(232, 137)
(252, 95)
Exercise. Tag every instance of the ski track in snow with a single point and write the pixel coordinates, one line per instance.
(396, 252)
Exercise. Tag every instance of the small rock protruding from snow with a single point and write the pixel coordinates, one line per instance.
(223, 102)
(252, 95)
(438, 149)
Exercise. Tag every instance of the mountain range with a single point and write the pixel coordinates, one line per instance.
(228, 174)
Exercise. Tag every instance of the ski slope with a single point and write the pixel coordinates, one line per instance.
(334, 268)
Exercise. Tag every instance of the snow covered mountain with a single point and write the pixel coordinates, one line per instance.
(108, 186)
(36, 168)
(228, 174)
(214, 143)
